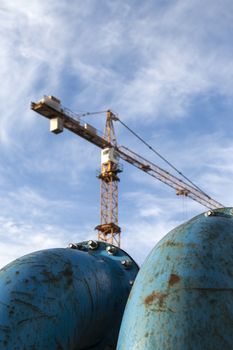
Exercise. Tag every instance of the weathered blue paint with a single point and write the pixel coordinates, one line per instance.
(183, 295)
(64, 299)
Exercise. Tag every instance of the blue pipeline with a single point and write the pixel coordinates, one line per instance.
(65, 298)
(182, 298)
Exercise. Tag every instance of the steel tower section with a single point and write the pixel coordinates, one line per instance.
(108, 230)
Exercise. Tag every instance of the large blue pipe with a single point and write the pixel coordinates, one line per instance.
(183, 295)
(65, 299)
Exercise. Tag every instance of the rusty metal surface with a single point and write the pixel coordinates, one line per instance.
(183, 295)
(64, 299)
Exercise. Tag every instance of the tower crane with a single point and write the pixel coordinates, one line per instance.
(108, 230)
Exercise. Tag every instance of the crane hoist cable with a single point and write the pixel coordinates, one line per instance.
(160, 156)
(150, 147)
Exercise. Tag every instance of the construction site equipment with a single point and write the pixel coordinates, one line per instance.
(109, 229)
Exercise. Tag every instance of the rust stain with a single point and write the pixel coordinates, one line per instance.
(49, 277)
(31, 306)
(29, 320)
(170, 243)
(159, 297)
(173, 280)
(68, 273)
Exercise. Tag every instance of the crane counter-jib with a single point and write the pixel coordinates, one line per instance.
(74, 125)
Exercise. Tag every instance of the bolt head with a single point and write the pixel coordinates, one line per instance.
(74, 246)
(209, 213)
(92, 244)
(111, 249)
(127, 264)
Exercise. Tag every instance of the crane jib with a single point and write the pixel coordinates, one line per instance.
(167, 178)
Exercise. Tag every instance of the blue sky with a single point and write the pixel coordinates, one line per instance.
(165, 67)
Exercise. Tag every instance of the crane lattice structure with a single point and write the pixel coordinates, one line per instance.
(109, 230)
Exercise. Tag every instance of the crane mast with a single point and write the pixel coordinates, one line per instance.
(108, 229)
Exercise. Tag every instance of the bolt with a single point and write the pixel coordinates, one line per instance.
(75, 246)
(71, 246)
(127, 264)
(92, 245)
(209, 213)
(111, 249)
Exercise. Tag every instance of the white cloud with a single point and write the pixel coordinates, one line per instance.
(31, 220)
(171, 55)
(21, 237)
(147, 62)
(139, 238)
(150, 215)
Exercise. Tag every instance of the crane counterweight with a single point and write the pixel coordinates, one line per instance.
(56, 125)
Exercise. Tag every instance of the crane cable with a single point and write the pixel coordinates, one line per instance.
(150, 147)
(91, 113)
(160, 156)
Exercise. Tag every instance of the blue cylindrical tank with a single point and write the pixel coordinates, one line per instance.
(183, 295)
(65, 298)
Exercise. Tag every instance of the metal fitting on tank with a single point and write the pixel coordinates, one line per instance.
(111, 249)
(74, 246)
(127, 264)
(209, 213)
(92, 244)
